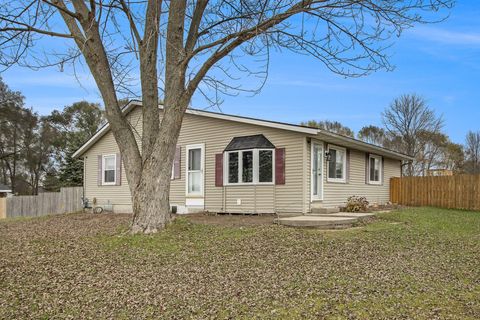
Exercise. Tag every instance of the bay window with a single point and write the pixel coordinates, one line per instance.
(253, 166)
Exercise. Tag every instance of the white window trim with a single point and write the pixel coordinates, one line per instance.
(256, 167)
(104, 183)
(344, 171)
(380, 172)
(202, 169)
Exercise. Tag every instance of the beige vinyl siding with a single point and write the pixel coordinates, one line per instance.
(117, 195)
(215, 134)
(336, 194)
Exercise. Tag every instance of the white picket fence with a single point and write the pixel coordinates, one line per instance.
(66, 201)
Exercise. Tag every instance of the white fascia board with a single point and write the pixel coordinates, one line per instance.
(258, 122)
(364, 146)
(103, 130)
(264, 123)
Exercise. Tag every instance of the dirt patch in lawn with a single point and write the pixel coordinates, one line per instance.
(231, 220)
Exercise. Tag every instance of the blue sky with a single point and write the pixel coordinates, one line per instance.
(438, 61)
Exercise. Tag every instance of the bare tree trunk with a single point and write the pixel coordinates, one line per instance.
(151, 204)
(151, 198)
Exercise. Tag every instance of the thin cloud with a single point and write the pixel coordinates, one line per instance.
(308, 84)
(446, 36)
(53, 80)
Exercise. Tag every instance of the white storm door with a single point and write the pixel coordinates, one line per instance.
(317, 171)
(195, 170)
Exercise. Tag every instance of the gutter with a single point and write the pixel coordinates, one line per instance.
(265, 123)
(366, 145)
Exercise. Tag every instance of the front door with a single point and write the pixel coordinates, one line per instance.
(317, 171)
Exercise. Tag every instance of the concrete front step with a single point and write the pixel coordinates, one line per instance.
(327, 222)
(325, 210)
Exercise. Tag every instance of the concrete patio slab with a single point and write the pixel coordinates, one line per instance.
(353, 214)
(317, 221)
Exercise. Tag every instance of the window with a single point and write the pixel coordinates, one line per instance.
(247, 166)
(109, 169)
(195, 170)
(374, 169)
(233, 167)
(337, 166)
(253, 166)
(265, 166)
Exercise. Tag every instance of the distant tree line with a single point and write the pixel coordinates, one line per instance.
(411, 127)
(36, 151)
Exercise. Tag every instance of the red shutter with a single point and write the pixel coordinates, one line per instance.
(118, 171)
(280, 166)
(177, 163)
(99, 172)
(219, 170)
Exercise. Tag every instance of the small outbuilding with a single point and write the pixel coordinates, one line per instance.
(5, 191)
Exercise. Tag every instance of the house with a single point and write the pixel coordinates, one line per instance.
(227, 163)
(5, 191)
(439, 172)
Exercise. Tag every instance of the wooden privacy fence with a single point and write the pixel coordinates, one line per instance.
(3, 208)
(65, 201)
(452, 192)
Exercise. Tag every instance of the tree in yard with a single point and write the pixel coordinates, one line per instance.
(75, 124)
(185, 43)
(373, 134)
(453, 157)
(412, 121)
(433, 152)
(51, 182)
(472, 152)
(14, 120)
(332, 126)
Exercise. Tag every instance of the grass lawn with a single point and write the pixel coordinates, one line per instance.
(417, 263)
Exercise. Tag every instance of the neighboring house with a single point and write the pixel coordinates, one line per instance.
(5, 191)
(439, 172)
(227, 163)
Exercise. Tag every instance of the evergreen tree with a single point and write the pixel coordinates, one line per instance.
(76, 124)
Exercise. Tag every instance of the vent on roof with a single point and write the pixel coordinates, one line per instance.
(250, 142)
